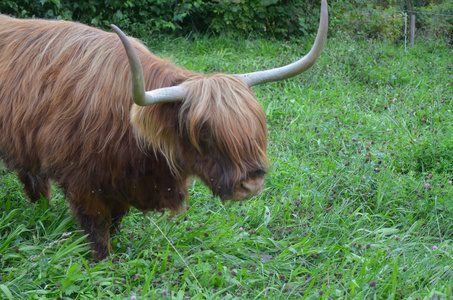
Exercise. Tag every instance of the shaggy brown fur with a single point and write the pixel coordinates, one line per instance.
(64, 115)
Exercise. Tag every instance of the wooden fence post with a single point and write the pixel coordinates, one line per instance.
(412, 29)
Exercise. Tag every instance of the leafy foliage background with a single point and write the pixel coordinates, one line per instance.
(140, 16)
(373, 19)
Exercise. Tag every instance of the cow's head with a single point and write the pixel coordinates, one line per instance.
(227, 128)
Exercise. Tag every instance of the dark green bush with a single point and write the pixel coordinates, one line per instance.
(139, 17)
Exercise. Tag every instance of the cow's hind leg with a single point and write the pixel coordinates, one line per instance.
(35, 186)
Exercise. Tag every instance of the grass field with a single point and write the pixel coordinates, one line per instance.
(358, 202)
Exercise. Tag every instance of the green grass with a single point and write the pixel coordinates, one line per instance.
(358, 202)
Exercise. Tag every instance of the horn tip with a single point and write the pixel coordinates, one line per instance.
(116, 29)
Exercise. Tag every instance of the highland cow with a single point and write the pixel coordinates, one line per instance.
(69, 113)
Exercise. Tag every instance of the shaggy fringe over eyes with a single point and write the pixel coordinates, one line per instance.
(220, 106)
(226, 107)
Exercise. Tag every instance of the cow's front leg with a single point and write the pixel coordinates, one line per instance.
(94, 216)
(98, 230)
(118, 213)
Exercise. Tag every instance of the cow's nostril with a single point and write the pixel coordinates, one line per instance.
(247, 188)
(254, 187)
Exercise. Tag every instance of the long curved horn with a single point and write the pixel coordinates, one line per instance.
(139, 95)
(297, 67)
